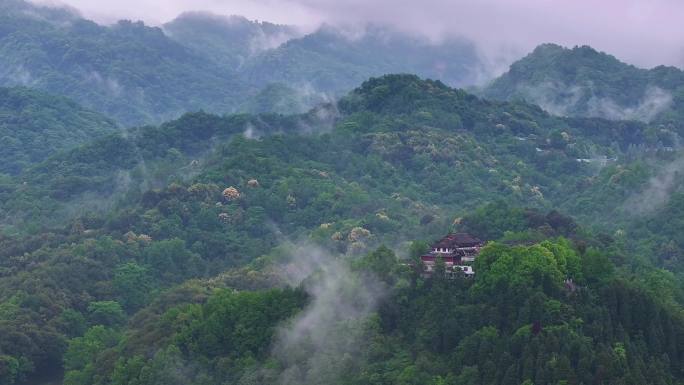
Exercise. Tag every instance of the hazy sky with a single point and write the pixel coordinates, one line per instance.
(642, 32)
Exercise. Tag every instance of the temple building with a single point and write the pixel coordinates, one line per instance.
(457, 250)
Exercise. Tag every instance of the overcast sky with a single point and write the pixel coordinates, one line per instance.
(642, 32)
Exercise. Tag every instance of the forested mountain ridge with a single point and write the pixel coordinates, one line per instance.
(512, 147)
(138, 74)
(329, 60)
(93, 234)
(128, 71)
(584, 82)
(35, 125)
(225, 201)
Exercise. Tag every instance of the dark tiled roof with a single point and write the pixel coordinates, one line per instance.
(457, 240)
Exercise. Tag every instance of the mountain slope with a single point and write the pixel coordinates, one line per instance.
(93, 234)
(139, 74)
(583, 82)
(228, 41)
(395, 123)
(375, 322)
(329, 60)
(129, 71)
(34, 125)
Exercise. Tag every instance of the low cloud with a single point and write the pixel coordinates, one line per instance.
(658, 190)
(17, 75)
(643, 33)
(323, 341)
(654, 101)
(108, 84)
(563, 100)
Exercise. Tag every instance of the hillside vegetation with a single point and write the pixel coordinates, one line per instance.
(34, 125)
(139, 74)
(123, 260)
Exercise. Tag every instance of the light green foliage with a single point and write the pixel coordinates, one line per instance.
(543, 266)
(34, 125)
(9, 370)
(79, 369)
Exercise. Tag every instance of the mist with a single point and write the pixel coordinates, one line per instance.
(325, 340)
(566, 100)
(658, 190)
(654, 101)
(642, 33)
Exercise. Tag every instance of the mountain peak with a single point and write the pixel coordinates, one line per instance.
(411, 96)
(582, 81)
(574, 59)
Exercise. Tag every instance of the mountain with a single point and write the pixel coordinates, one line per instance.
(35, 125)
(129, 71)
(584, 82)
(138, 74)
(164, 216)
(398, 121)
(120, 257)
(327, 62)
(334, 61)
(375, 322)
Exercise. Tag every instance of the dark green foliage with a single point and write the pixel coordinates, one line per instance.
(134, 232)
(230, 332)
(437, 331)
(144, 75)
(106, 313)
(34, 126)
(231, 324)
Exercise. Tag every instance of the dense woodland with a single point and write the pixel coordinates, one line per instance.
(275, 247)
(139, 74)
(34, 125)
(126, 258)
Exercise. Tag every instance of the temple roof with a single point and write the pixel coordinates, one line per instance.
(456, 240)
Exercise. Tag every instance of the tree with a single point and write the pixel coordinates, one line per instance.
(9, 370)
(382, 262)
(596, 266)
(81, 349)
(133, 284)
(106, 313)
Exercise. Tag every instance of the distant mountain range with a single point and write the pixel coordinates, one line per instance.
(139, 74)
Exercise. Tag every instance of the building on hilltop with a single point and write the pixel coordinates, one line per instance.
(457, 250)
